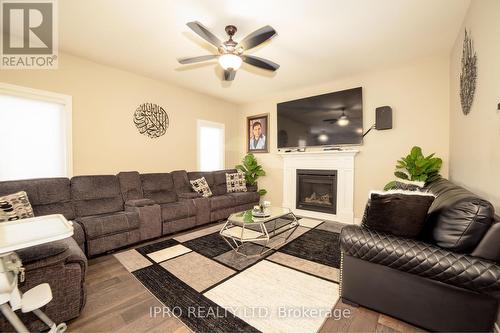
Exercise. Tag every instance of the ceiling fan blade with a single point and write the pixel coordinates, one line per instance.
(192, 60)
(204, 33)
(260, 62)
(229, 75)
(257, 37)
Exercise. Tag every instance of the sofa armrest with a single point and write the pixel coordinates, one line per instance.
(72, 254)
(139, 203)
(65, 273)
(149, 218)
(78, 235)
(489, 248)
(42, 252)
(190, 195)
(54, 252)
(423, 259)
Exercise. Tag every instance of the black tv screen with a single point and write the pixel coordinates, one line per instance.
(332, 119)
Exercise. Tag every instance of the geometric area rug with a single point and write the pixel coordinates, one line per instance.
(203, 282)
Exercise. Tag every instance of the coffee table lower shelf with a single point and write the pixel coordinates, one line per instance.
(240, 235)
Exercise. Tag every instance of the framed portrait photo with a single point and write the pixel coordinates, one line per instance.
(258, 133)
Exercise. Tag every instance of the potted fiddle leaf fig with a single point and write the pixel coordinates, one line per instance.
(252, 171)
(416, 169)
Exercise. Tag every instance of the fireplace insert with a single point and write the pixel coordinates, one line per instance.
(317, 190)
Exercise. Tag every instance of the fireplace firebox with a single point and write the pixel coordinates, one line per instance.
(317, 190)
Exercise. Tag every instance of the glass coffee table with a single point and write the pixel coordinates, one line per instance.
(242, 229)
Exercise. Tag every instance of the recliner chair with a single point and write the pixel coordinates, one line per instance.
(62, 264)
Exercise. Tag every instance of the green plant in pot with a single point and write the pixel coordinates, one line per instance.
(416, 169)
(252, 171)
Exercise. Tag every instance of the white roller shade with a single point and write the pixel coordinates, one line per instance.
(210, 146)
(33, 138)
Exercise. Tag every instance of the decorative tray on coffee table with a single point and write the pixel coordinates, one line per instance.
(259, 214)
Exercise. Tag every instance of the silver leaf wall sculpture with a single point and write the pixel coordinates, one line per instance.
(468, 75)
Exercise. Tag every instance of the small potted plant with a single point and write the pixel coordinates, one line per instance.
(415, 171)
(252, 171)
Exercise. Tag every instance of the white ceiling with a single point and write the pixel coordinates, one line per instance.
(318, 40)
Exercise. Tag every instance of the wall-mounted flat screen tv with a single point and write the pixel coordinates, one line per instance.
(333, 119)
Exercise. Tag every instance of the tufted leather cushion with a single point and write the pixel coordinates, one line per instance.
(421, 259)
(458, 219)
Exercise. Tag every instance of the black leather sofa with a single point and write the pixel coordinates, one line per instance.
(446, 280)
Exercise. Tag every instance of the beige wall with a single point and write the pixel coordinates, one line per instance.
(105, 139)
(418, 94)
(475, 138)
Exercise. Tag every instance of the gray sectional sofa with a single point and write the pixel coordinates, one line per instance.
(111, 212)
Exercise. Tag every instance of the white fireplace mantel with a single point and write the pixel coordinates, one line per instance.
(341, 160)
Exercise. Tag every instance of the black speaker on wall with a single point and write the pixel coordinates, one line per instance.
(383, 118)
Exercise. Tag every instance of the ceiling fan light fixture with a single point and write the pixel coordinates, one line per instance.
(231, 53)
(323, 138)
(343, 120)
(230, 61)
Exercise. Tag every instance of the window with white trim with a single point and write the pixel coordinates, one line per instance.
(210, 145)
(35, 133)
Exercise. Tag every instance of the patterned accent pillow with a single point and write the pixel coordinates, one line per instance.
(200, 185)
(15, 206)
(408, 186)
(235, 182)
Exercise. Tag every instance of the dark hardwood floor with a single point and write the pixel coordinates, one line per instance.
(117, 302)
(365, 320)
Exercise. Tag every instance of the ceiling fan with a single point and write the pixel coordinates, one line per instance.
(230, 53)
(343, 120)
